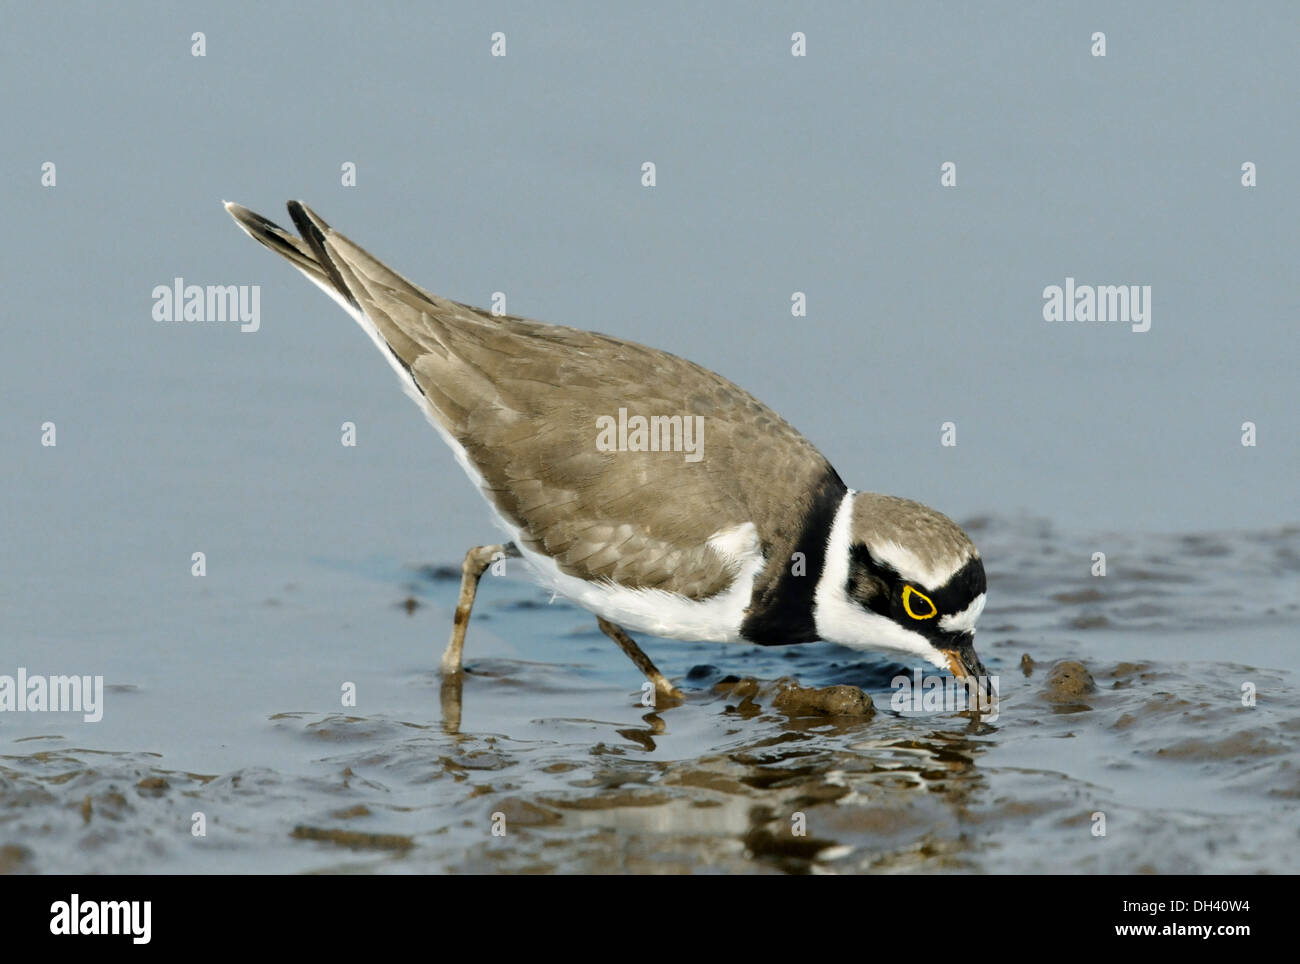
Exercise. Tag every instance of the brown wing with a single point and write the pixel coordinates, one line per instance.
(523, 399)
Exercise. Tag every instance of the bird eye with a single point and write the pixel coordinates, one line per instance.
(924, 607)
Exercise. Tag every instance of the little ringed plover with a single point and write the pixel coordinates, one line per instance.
(747, 536)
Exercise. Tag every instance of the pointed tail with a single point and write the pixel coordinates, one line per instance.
(279, 240)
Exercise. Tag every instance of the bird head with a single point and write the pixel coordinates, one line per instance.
(901, 577)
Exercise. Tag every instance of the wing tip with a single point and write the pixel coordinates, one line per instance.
(241, 214)
(313, 230)
(306, 220)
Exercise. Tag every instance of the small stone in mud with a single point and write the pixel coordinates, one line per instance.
(1125, 673)
(113, 804)
(1027, 664)
(360, 810)
(744, 688)
(523, 813)
(763, 843)
(12, 857)
(353, 838)
(1068, 680)
(153, 786)
(839, 700)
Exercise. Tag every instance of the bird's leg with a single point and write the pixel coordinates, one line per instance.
(449, 697)
(625, 642)
(476, 560)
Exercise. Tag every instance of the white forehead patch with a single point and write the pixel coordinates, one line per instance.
(909, 565)
(964, 621)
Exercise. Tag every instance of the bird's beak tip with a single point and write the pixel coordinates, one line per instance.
(965, 662)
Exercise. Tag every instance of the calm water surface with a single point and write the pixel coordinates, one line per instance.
(249, 730)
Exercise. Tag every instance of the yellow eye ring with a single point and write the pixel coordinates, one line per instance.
(908, 593)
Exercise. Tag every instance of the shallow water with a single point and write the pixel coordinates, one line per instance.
(247, 727)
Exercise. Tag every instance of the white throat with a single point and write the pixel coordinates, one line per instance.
(841, 620)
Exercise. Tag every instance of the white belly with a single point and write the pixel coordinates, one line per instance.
(714, 620)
